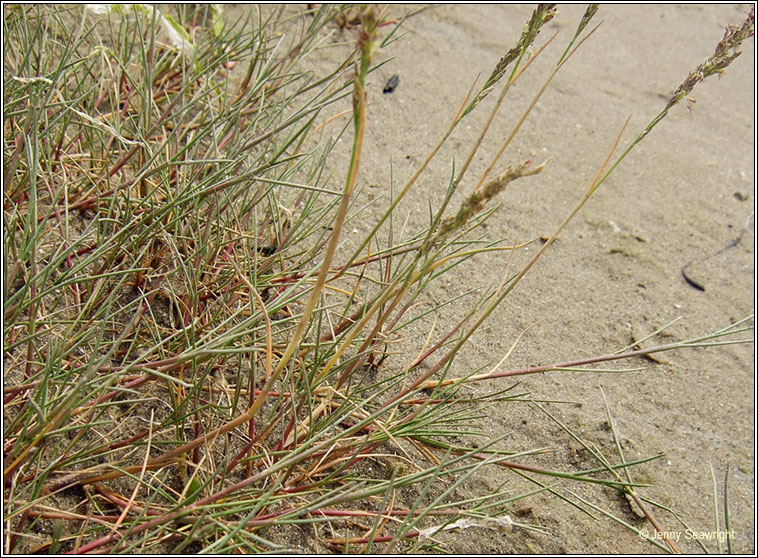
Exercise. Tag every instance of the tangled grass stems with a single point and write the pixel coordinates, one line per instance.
(189, 364)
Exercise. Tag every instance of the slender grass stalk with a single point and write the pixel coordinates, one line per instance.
(727, 518)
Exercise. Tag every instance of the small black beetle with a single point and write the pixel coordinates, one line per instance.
(391, 84)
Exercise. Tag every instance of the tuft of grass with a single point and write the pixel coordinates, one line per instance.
(194, 357)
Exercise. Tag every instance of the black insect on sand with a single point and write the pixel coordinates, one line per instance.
(391, 84)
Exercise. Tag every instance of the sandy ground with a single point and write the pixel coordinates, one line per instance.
(682, 196)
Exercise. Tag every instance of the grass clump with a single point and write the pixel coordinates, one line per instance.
(195, 357)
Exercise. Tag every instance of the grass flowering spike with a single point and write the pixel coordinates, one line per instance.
(479, 198)
(542, 14)
(726, 51)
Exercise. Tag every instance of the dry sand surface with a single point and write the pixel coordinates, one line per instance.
(683, 195)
